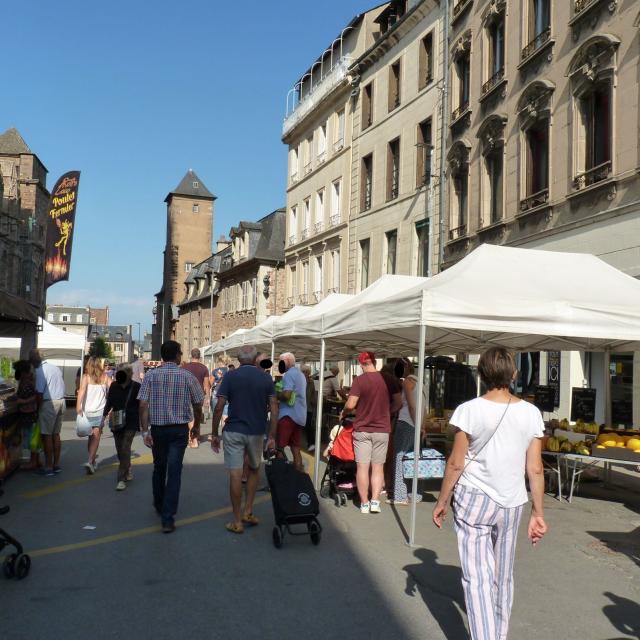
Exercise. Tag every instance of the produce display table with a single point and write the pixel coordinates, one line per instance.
(552, 460)
(576, 464)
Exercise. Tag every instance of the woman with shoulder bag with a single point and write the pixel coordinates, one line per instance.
(92, 397)
(122, 410)
(498, 438)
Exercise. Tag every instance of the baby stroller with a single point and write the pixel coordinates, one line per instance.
(339, 480)
(15, 565)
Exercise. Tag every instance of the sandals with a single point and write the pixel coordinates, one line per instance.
(398, 503)
(251, 520)
(234, 528)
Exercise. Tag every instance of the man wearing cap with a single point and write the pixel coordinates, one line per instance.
(374, 398)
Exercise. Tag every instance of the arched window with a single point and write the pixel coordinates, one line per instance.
(460, 76)
(534, 113)
(491, 135)
(458, 161)
(592, 74)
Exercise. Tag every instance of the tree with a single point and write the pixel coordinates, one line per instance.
(100, 349)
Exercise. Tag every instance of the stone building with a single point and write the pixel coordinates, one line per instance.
(543, 152)
(69, 318)
(118, 337)
(318, 132)
(239, 286)
(189, 232)
(397, 118)
(24, 201)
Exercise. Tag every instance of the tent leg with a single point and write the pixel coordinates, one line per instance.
(273, 351)
(316, 453)
(417, 437)
(606, 396)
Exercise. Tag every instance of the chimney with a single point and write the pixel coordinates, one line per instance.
(222, 243)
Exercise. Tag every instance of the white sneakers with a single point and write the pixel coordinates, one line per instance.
(121, 486)
(370, 507)
(91, 468)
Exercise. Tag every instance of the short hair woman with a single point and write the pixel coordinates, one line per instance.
(498, 437)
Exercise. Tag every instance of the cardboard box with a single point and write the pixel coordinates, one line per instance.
(616, 453)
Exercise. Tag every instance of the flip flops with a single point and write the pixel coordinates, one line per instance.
(251, 520)
(234, 528)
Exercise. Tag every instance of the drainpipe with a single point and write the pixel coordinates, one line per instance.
(443, 133)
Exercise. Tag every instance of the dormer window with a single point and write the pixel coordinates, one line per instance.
(196, 184)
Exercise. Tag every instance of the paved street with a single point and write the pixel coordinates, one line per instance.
(124, 579)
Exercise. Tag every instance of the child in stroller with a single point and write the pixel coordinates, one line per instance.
(339, 480)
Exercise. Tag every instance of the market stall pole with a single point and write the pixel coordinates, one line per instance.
(316, 453)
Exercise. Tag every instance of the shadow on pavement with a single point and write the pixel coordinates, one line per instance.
(440, 587)
(624, 614)
(620, 542)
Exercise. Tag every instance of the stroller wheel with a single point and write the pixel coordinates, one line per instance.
(325, 490)
(343, 499)
(277, 537)
(22, 565)
(337, 500)
(314, 532)
(9, 565)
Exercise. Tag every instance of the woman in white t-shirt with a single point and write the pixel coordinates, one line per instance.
(498, 437)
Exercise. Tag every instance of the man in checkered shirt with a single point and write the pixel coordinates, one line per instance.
(170, 398)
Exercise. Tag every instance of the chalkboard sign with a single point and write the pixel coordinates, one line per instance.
(583, 404)
(544, 397)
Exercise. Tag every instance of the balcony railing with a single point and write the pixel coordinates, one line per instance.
(320, 90)
(457, 113)
(534, 200)
(303, 298)
(581, 5)
(592, 176)
(322, 156)
(493, 81)
(458, 232)
(292, 240)
(307, 168)
(294, 177)
(366, 201)
(317, 295)
(338, 145)
(393, 187)
(305, 234)
(459, 6)
(334, 290)
(318, 226)
(334, 220)
(542, 38)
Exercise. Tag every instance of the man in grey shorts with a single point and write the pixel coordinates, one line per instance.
(50, 393)
(251, 395)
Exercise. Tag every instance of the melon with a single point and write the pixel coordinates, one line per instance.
(633, 443)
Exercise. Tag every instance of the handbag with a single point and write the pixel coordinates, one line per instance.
(35, 439)
(118, 418)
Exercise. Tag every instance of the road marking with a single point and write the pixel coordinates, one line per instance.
(147, 458)
(135, 533)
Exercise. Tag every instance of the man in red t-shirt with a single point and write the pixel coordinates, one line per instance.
(202, 375)
(374, 400)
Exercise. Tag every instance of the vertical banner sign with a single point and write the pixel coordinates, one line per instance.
(60, 223)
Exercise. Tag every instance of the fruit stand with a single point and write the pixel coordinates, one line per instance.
(10, 442)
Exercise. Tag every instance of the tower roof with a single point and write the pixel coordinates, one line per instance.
(11, 142)
(191, 186)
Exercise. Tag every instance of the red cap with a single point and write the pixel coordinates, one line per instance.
(366, 356)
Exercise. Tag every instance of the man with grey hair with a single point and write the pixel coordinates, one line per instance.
(250, 394)
(293, 406)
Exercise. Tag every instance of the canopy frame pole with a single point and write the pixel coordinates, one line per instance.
(418, 434)
(273, 352)
(316, 453)
(607, 387)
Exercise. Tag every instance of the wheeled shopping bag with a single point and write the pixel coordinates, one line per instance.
(294, 502)
(15, 565)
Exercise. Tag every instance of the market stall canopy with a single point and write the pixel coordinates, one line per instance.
(52, 343)
(219, 346)
(524, 299)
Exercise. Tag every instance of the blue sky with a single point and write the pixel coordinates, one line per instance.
(134, 97)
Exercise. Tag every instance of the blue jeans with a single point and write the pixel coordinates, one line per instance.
(169, 444)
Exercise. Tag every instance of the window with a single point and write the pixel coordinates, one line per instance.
(463, 71)
(459, 170)
(293, 286)
(304, 298)
(188, 266)
(537, 158)
(495, 42)
(461, 76)
(317, 278)
(422, 252)
(364, 263)
(339, 141)
(367, 106)
(306, 220)
(538, 28)
(335, 203)
(425, 61)
(253, 299)
(335, 271)
(322, 142)
(295, 164)
(595, 134)
(492, 187)
(118, 347)
(195, 184)
(308, 155)
(393, 169)
(245, 295)
(366, 182)
(394, 85)
(293, 224)
(392, 246)
(65, 318)
(319, 211)
(195, 208)
(424, 149)
(50, 318)
(494, 170)
(92, 320)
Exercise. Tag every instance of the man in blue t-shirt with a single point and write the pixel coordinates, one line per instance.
(251, 395)
(293, 407)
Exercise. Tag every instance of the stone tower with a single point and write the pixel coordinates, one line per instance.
(189, 241)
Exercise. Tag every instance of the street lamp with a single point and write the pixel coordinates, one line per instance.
(139, 343)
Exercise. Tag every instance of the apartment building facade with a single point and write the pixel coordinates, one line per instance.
(318, 132)
(543, 151)
(118, 337)
(394, 202)
(73, 319)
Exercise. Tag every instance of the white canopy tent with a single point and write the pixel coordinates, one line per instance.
(524, 299)
(53, 343)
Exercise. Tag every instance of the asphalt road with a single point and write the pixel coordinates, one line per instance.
(125, 579)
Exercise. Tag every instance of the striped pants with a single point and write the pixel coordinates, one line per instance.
(487, 536)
